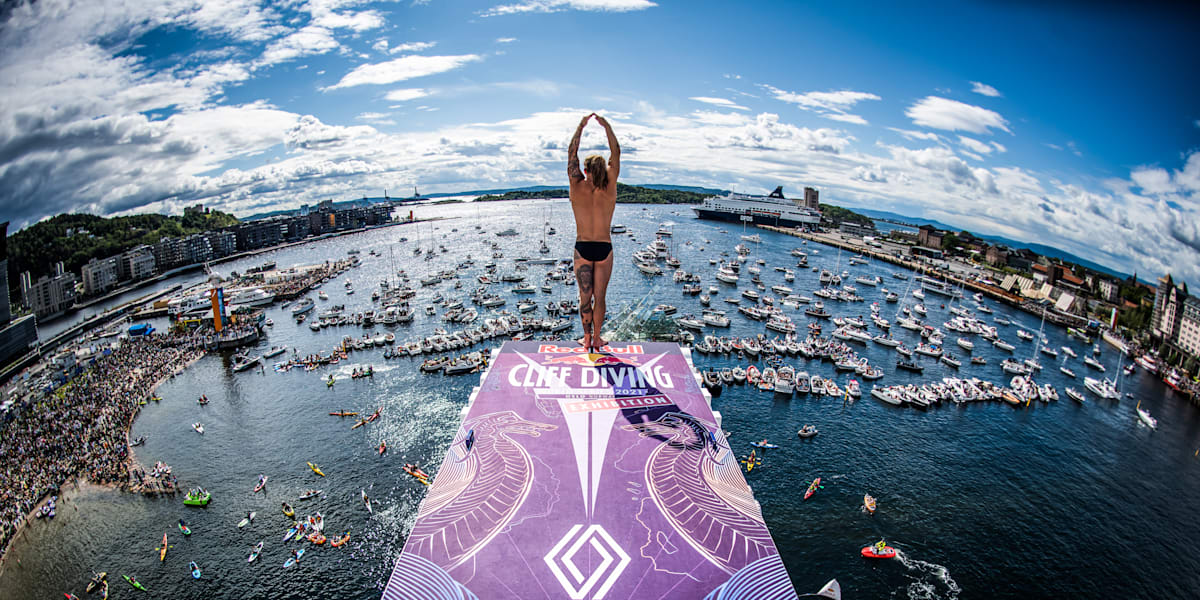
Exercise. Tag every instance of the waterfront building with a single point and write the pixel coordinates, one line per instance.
(996, 255)
(811, 201)
(222, 243)
(135, 264)
(1168, 304)
(100, 275)
(857, 230)
(168, 253)
(1108, 289)
(930, 236)
(1188, 339)
(50, 295)
(258, 234)
(196, 249)
(18, 335)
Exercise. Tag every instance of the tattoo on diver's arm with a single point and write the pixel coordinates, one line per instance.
(573, 170)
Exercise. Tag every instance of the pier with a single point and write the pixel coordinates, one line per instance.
(990, 291)
(589, 475)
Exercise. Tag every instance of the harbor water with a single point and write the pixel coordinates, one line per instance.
(983, 500)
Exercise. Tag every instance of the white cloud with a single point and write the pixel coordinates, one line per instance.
(722, 102)
(412, 47)
(309, 41)
(999, 147)
(548, 6)
(831, 105)
(952, 115)
(355, 21)
(975, 145)
(916, 135)
(404, 95)
(984, 89)
(401, 69)
(505, 40)
(845, 118)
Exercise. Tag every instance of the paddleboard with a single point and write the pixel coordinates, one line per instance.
(247, 520)
(291, 561)
(255, 552)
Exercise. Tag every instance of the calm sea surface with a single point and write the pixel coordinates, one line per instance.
(983, 501)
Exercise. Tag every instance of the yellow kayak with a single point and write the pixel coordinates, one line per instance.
(162, 552)
(316, 469)
(869, 502)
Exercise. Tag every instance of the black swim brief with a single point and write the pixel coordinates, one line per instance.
(593, 251)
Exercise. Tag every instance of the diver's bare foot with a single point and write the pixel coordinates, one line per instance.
(585, 341)
(599, 342)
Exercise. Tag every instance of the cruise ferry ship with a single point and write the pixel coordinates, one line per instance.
(772, 209)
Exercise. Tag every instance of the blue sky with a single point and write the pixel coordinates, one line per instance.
(1072, 124)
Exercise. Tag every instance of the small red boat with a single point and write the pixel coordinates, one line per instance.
(382, 448)
(374, 416)
(872, 552)
(812, 488)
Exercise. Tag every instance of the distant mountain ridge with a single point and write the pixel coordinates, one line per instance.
(1042, 249)
(494, 192)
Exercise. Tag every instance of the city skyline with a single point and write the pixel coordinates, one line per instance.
(1038, 127)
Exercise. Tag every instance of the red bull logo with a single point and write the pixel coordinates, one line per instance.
(553, 349)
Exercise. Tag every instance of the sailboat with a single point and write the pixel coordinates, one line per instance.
(544, 249)
(1145, 417)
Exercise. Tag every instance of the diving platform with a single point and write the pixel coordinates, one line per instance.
(578, 475)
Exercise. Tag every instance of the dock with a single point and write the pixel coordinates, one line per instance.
(580, 475)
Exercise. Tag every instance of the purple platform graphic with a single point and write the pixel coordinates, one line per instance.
(589, 476)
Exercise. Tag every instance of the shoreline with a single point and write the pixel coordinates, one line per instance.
(131, 461)
(79, 481)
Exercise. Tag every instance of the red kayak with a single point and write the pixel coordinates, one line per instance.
(887, 552)
(812, 488)
(382, 447)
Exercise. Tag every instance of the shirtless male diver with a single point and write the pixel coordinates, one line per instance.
(593, 199)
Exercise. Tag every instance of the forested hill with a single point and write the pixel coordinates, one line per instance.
(839, 215)
(626, 194)
(38, 247)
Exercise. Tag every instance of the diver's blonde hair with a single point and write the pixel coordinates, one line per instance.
(597, 170)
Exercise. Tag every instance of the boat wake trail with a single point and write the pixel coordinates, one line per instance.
(930, 580)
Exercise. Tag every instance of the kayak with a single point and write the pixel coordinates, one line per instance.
(366, 501)
(338, 542)
(135, 583)
(870, 552)
(97, 579)
(292, 561)
(198, 427)
(262, 482)
(70, 596)
(248, 520)
(812, 488)
(382, 448)
(291, 532)
(417, 473)
(869, 502)
(316, 469)
(184, 528)
(763, 444)
(310, 494)
(375, 415)
(287, 510)
(317, 539)
(195, 570)
(162, 553)
(255, 552)
(360, 423)
(343, 414)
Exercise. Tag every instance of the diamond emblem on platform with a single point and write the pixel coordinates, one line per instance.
(573, 548)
